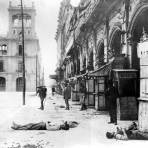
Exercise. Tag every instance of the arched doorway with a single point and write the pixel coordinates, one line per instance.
(90, 61)
(100, 55)
(19, 84)
(115, 43)
(2, 84)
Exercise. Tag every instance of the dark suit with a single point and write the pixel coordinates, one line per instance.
(113, 104)
(42, 95)
(67, 96)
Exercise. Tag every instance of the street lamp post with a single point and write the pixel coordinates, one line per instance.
(23, 55)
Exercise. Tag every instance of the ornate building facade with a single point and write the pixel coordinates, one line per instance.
(11, 52)
(98, 41)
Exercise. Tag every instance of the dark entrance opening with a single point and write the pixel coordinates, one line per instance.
(2, 84)
(19, 84)
(115, 45)
(100, 55)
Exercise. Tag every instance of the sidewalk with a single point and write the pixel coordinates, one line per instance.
(91, 129)
(90, 113)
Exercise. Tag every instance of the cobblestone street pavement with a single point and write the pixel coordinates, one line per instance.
(89, 133)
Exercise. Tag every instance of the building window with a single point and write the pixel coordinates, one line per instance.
(17, 20)
(20, 66)
(3, 49)
(1, 66)
(20, 50)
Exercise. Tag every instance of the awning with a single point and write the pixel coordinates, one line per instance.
(102, 71)
(79, 76)
(72, 79)
(82, 76)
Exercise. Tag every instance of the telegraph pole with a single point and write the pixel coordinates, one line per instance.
(36, 72)
(23, 55)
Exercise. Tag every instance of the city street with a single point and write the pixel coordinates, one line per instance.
(89, 133)
(92, 51)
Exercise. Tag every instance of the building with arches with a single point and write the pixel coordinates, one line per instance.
(11, 67)
(101, 42)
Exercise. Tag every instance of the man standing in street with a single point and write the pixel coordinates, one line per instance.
(42, 94)
(83, 98)
(112, 96)
(67, 95)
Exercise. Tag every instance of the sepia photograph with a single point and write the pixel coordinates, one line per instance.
(73, 73)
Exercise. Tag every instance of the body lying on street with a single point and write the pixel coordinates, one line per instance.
(130, 133)
(45, 126)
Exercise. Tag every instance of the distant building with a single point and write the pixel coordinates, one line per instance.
(11, 52)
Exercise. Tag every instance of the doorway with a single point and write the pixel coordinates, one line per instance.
(2, 84)
(19, 84)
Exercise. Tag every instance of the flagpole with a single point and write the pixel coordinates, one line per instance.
(23, 55)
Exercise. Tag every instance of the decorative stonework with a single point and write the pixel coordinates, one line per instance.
(133, 6)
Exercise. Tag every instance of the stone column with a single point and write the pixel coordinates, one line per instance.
(95, 48)
(81, 60)
(143, 99)
(106, 40)
(129, 51)
(105, 50)
(124, 39)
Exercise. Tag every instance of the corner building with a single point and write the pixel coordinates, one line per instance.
(11, 52)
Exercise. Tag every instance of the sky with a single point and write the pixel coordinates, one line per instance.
(47, 12)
